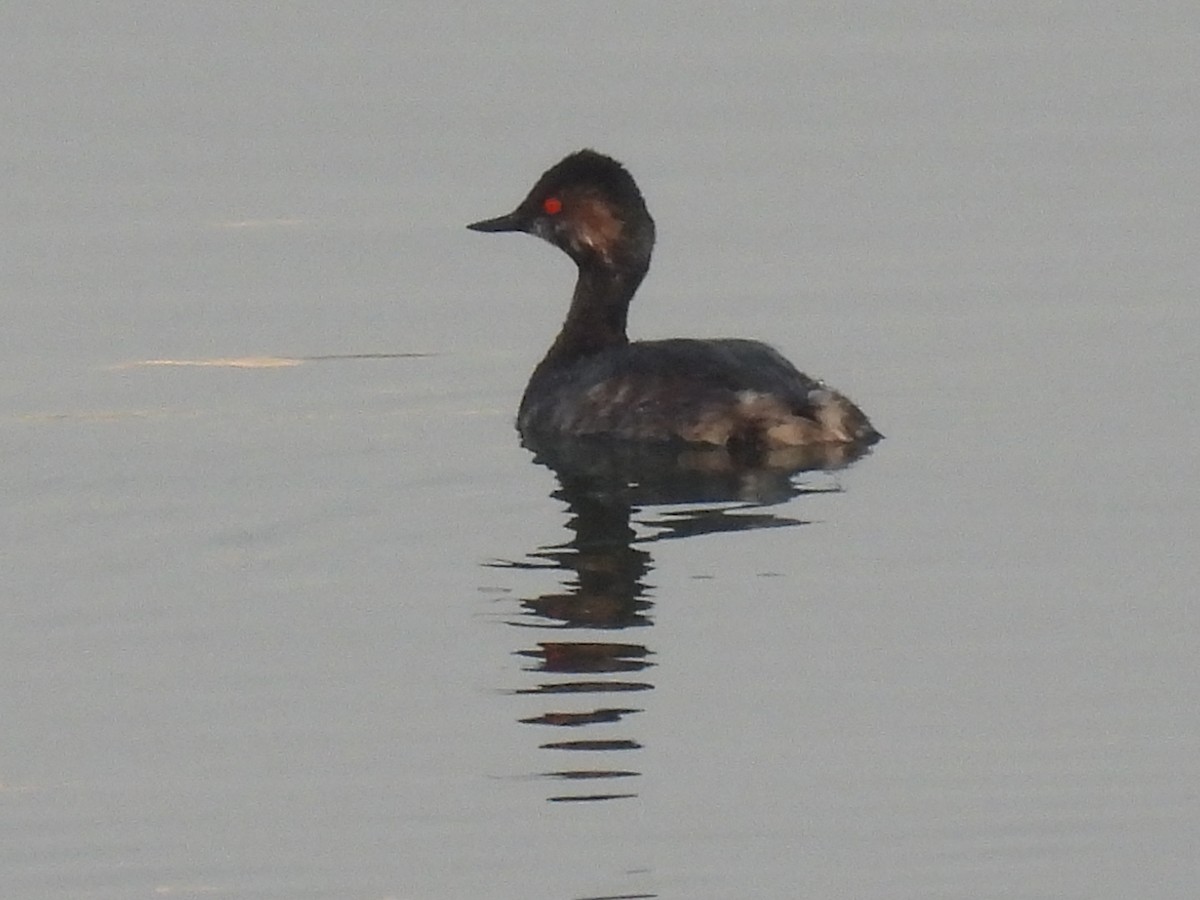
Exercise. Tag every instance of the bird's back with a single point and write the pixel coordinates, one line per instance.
(704, 391)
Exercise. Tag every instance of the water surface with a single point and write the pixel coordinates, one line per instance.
(304, 619)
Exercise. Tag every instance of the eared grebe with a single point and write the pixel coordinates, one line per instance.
(593, 381)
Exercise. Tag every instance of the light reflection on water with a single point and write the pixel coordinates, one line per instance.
(607, 488)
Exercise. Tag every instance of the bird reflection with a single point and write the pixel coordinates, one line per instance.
(621, 498)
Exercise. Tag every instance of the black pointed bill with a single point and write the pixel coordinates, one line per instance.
(510, 222)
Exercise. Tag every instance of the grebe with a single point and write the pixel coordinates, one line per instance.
(595, 382)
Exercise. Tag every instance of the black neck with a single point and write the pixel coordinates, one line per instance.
(596, 319)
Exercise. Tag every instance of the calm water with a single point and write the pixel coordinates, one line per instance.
(288, 612)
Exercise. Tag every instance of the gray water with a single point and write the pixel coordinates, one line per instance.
(287, 610)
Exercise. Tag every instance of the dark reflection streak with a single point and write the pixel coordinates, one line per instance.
(509, 564)
(569, 625)
(588, 657)
(592, 745)
(605, 486)
(574, 720)
(590, 798)
(586, 687)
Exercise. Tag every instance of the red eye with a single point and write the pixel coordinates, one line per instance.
(552, 206)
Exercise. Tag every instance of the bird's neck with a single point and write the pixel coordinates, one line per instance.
(596, 319)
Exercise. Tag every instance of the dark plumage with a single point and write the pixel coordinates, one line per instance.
(593, 381)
